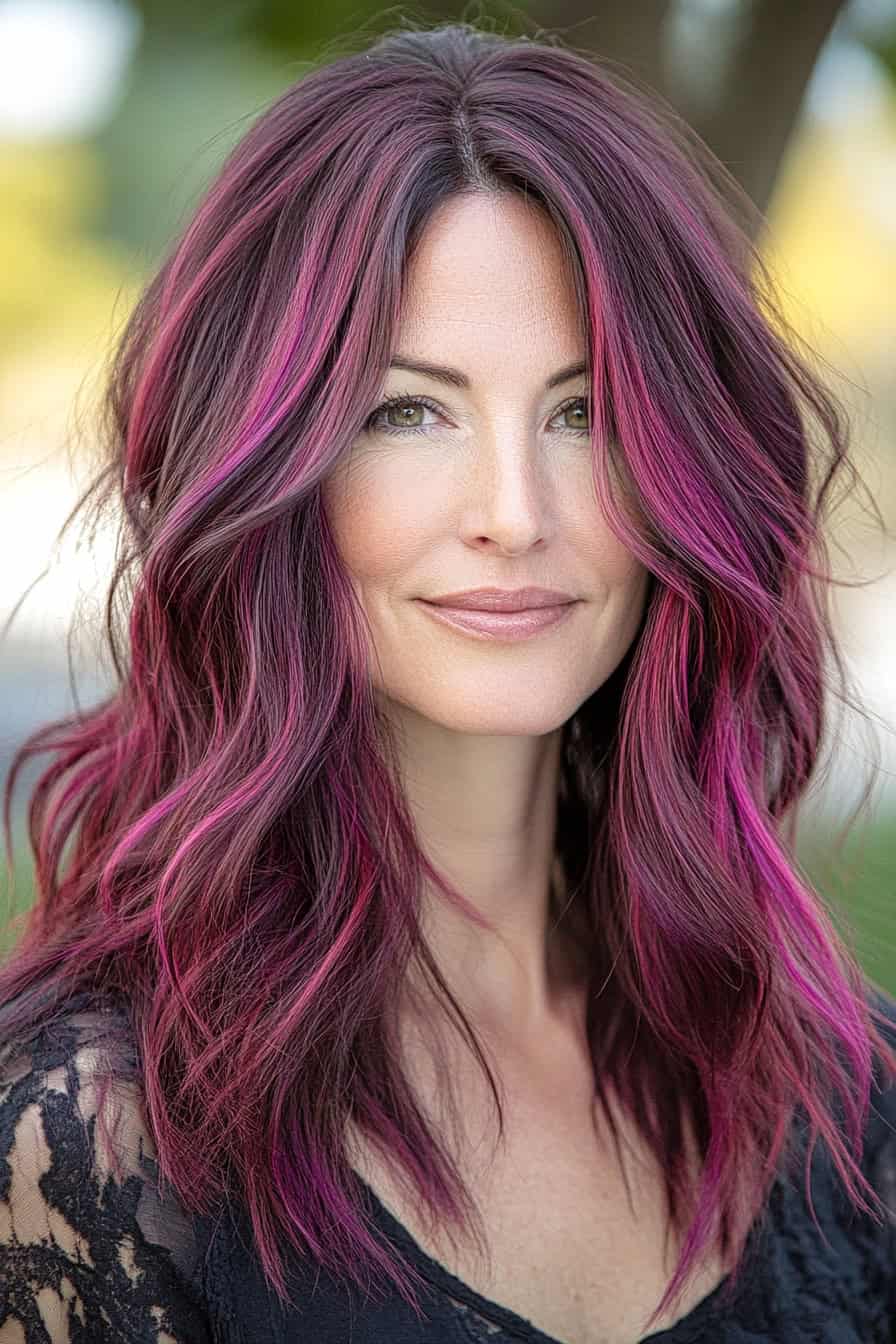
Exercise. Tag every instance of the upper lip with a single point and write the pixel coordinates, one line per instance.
(502, 599)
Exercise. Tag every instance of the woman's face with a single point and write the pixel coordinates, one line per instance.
(494, 487)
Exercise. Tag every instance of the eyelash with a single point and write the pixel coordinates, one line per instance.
(371, 424)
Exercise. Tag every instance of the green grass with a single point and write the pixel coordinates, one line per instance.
(861, 896)
(19, 899)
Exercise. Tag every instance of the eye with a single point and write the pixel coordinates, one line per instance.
(375, 421)
(582, 402)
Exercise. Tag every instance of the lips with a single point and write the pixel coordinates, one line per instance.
(502, 599)
(505, 626)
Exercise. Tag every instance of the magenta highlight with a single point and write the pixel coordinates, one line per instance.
(243, 872)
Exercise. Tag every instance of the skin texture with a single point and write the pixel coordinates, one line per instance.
(496, 490)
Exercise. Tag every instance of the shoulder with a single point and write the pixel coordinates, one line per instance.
(55, 1098)
(87, 1234)
(52, 1075)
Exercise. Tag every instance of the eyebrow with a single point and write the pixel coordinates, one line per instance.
(454, 377)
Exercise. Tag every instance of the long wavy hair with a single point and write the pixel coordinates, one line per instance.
(243, 870)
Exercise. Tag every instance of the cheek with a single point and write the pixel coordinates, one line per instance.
(630, 577)
(381, 516)
(614, 566)
(621, 585)
(629, 580)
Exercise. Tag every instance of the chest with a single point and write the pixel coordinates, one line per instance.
(577, 1235)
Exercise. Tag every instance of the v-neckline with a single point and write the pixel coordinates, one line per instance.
(684, 1331)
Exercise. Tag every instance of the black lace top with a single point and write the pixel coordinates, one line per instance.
(86, 1256)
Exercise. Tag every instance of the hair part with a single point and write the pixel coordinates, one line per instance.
(244, 870)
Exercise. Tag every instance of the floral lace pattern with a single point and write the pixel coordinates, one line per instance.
(84, 1254)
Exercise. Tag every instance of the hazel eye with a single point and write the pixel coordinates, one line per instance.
(376, 421)
(402, 410)
(580, 405)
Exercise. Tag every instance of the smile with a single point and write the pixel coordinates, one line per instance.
(504, 625)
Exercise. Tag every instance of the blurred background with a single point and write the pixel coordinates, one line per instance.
(113, 118)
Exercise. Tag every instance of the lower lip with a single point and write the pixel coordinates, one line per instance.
(506, 625)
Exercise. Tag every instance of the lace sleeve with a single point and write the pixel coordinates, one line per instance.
(87, 1254)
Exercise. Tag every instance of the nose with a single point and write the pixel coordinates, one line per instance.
(509, 503)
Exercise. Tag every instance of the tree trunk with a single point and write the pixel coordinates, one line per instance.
(749, 124)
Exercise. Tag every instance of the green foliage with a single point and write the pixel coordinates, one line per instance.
(859, 887)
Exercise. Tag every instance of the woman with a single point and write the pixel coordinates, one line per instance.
(422, 970)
